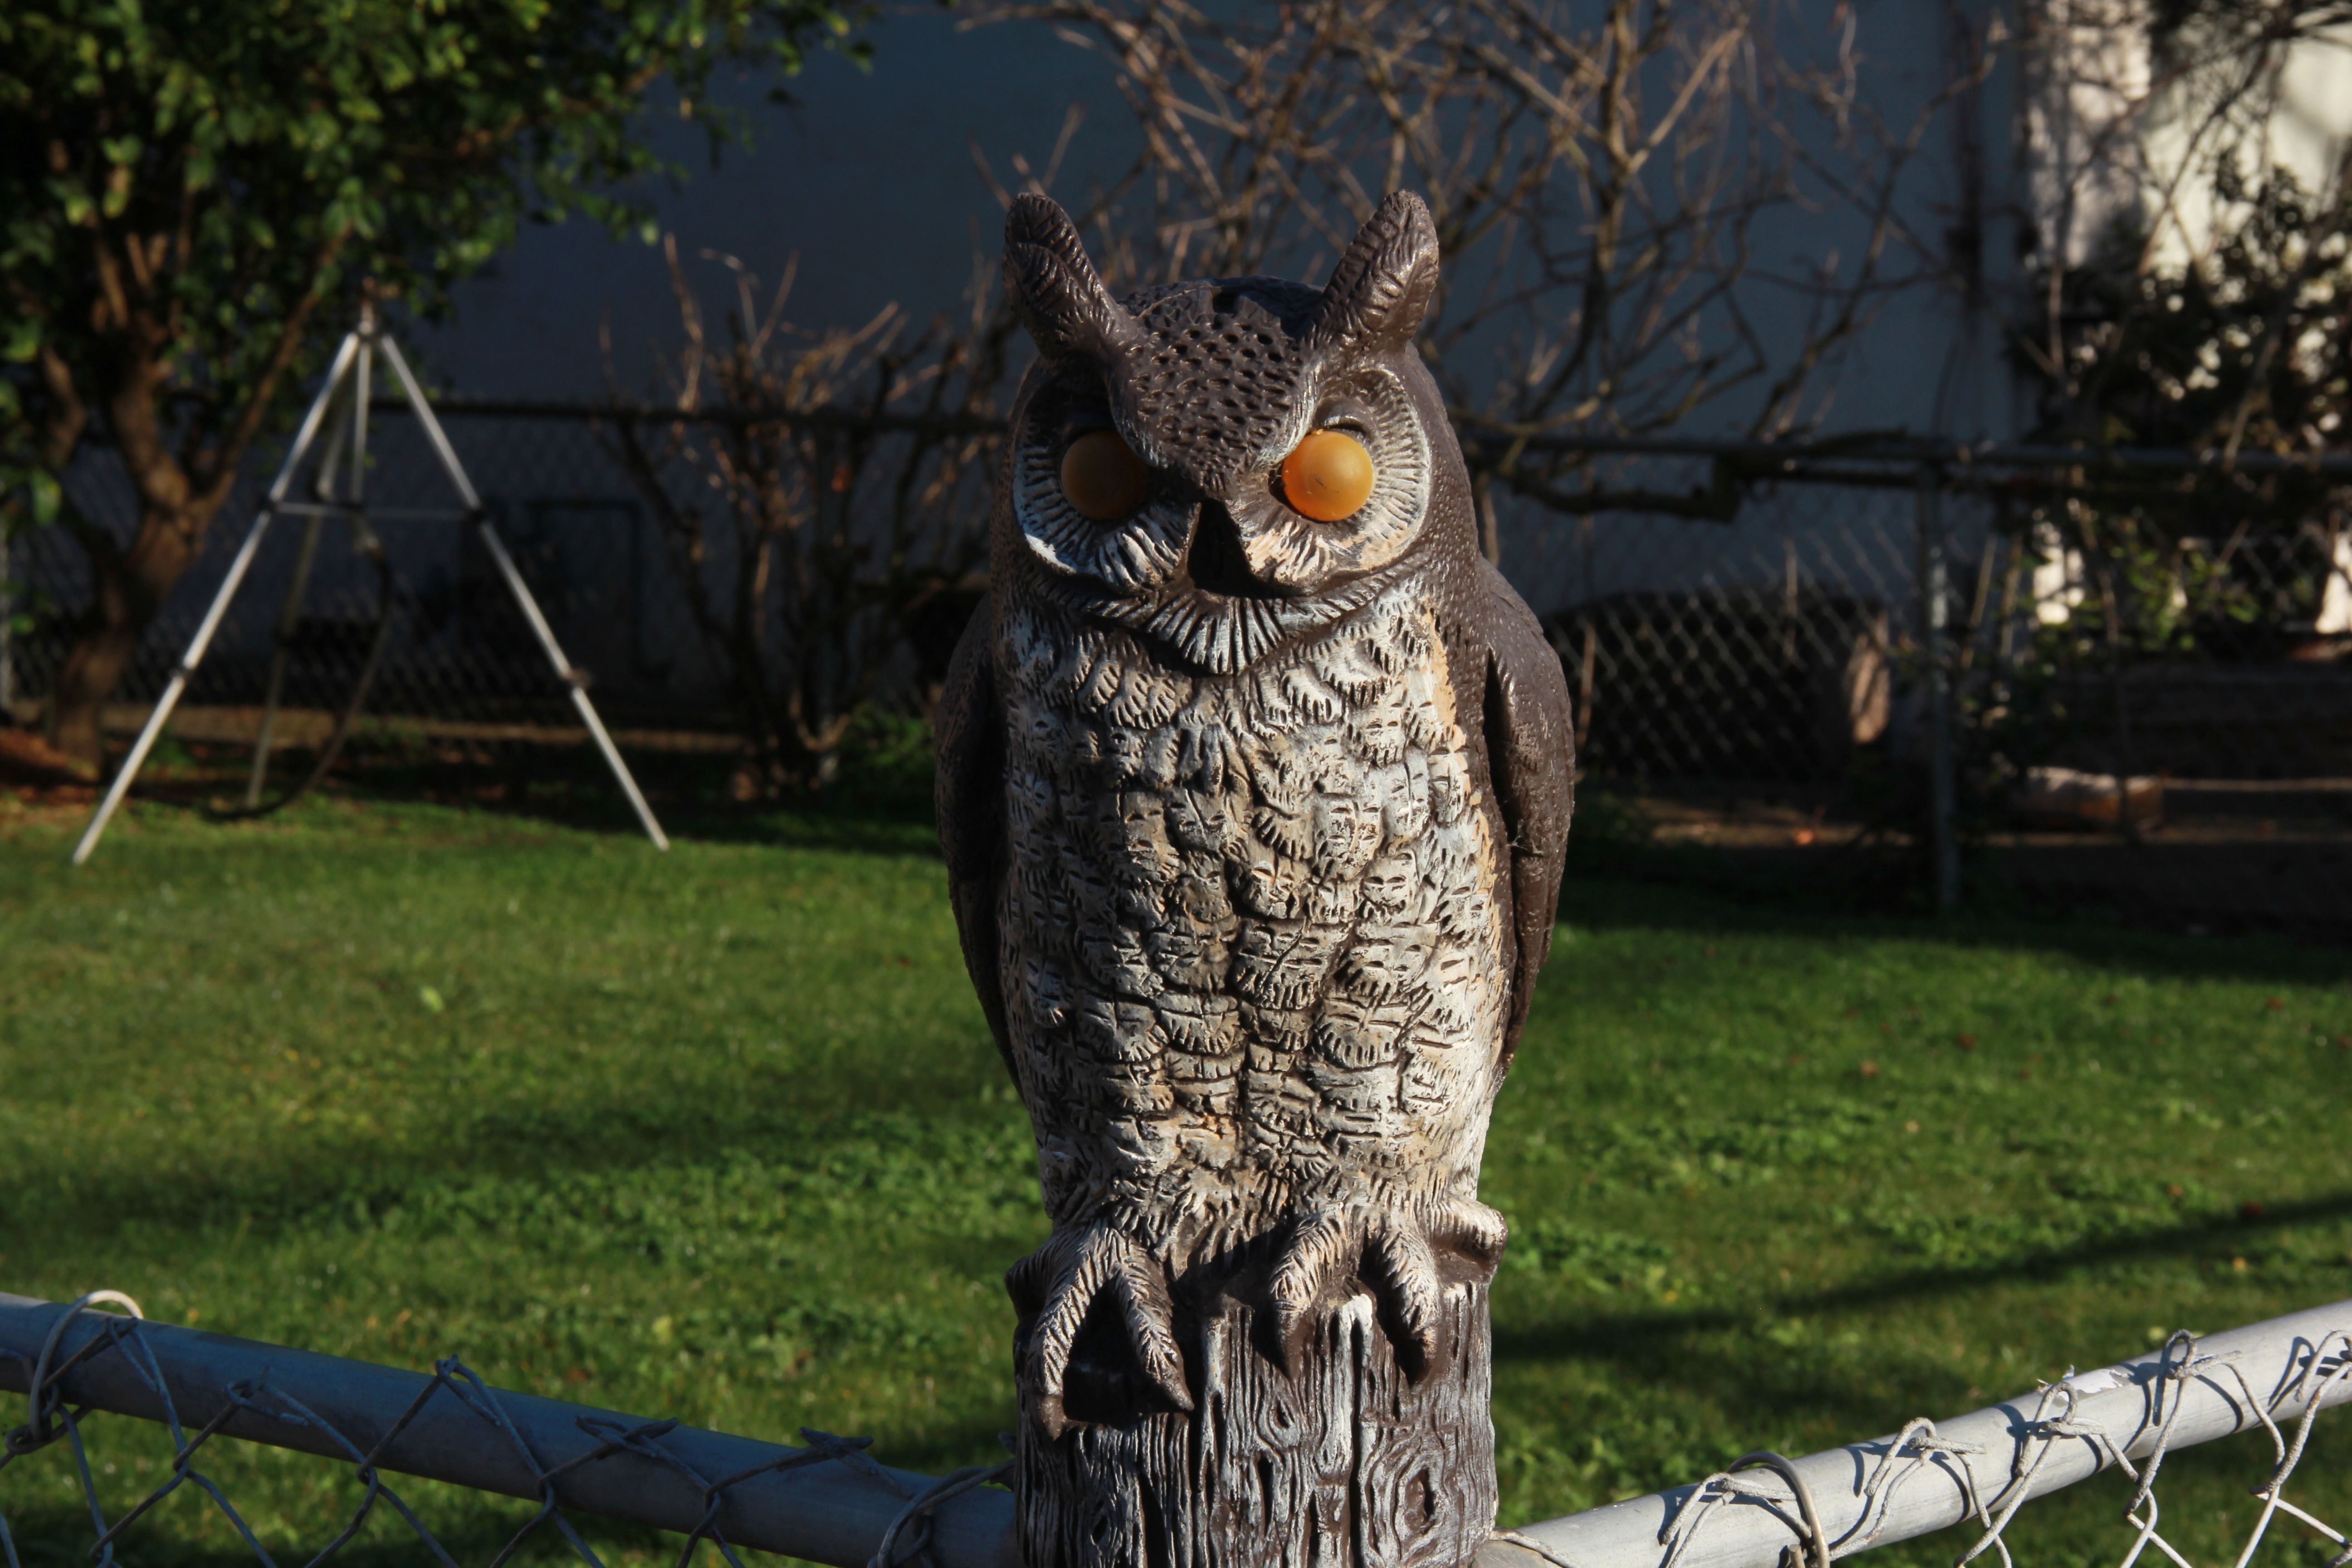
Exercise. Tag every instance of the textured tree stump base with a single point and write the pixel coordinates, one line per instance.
(1345, 1463)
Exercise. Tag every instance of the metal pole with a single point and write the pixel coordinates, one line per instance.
(806, 1506)
(522, 596)
(237, 568)
(323, 489)
(288, 620)
(2120, 1409)
(574, 680)
(432, 431)
(1936, 608)
(1865, 1494)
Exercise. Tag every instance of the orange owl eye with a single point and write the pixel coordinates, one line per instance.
(1328, 476)
(1102, 476)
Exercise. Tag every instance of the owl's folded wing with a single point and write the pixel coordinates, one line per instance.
(1531, 747)
(969, 800)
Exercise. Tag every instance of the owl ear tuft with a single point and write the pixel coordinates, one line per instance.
(1057, 290)
(1382, 286)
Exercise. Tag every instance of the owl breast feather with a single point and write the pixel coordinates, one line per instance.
(1251, 946)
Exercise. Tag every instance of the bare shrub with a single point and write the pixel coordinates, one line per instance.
(1603, 182)
(817, 489)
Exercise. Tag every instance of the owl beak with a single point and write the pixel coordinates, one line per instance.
(1218, 563)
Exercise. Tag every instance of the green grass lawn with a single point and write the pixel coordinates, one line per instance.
(722, 1136)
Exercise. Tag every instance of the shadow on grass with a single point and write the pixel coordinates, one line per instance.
(571, 790)
(1627, 903)
(1650, 1337)
(353, 1183)
(1738, 1361)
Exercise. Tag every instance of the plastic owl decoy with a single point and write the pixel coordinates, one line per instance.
(1254, 786)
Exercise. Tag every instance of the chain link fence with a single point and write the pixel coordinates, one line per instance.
(1955, 662)
(458, 656)
(830, 1503)
(1769, 688)
(453, 1426)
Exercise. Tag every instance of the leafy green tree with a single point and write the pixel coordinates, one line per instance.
(2246, 348)
(192, 191)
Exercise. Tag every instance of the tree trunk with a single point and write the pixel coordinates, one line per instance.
(1342, 1463)
(127, 588)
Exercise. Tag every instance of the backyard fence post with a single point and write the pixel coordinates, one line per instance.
(1935, 612)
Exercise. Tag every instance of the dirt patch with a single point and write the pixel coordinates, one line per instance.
(2229, 855)
(35, 774)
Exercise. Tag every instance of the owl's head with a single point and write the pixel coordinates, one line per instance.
(1229, 462)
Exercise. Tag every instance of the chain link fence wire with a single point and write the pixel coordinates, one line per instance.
(458, 682)
(2164, 732)
(2162, 728)
(1918, 1448)
(831, 1502)
(1980, 1470)
(454, 1428)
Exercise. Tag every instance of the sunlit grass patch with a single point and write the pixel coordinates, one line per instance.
(722, 1136)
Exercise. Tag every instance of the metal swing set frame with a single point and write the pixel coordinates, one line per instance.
(351, 379)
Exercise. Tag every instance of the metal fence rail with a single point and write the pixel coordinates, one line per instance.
(1985, 1465)
(830, 1503)
(827, 1502)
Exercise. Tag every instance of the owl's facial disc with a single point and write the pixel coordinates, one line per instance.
(1221, 462)
(1336, 487)
(1086, 503)
(1343, 491)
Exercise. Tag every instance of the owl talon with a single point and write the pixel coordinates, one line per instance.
(1323, 1242)
(1081, 1265)
(1470, 1227)
(1398, 1257)
(1389, 1249)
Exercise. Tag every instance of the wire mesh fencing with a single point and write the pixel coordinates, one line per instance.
(631, 556)
(458, 651)
(1865, 657)
(1997, 672)
(831, 1502)
(451, 1425)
